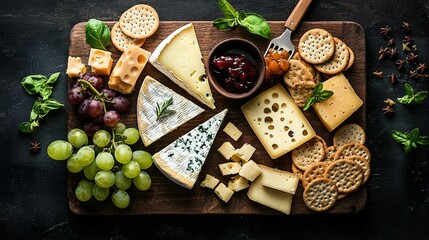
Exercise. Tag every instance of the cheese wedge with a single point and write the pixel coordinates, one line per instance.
(179, 58)
(182, 160)
(152, 93)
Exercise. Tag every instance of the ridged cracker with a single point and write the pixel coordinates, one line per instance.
(316, 46)
(330, 153)
(300, 95)
(308, 154)
(338, 62)
(347, 175)
(349, 133)
(320, 194)
(351, 59)
(139, 21)
(364, 164)
(352, 149)
(314, 172)
(298, 75)
(122, 41)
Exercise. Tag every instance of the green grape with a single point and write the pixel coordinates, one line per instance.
(143, 158)
(73, 165)
(77, 138)
(142, 181)
(100, 193)
(85, 155)
(123, 154)
(105, 179)
(131, 169)
(120, 128)
(131, 136)
(91, 170)
(83, 190)
(122, 182)
(101, 138)
(60, 150)
(121, 199)
(105, 161)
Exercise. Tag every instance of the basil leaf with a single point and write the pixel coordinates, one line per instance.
(33, 83)
(420, 97)
(25, 127)
(227, 9)
(409, 90)
(422, 140)
(406, 100)
(318, 88)
(325, 95)
(35, 110)
(53, 78)
(46, 106)
(46, 92)
(310, 101)
(414, 134)
(224, 24)
(399, 137)
(407, 147)
(97, 34)
(255, 24)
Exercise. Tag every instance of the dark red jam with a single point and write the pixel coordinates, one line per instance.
(234, 72)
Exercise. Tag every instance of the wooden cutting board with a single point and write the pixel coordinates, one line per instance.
(165, 197)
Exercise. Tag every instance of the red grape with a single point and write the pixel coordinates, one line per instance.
(82, 109)
(94, 108)
(90, 128)
(111, 118)
(76, 96)
(107, 93)
(121, 104)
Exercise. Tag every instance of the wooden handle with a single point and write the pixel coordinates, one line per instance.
(298, 12)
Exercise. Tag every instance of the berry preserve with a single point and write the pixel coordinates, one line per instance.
(235, 72)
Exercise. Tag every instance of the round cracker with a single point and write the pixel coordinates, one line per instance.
(347, 175)
(330, 153)
(308, 154)
(319, 138)
(298, 172)
(316, 46)
(338, 62)
(349, 133)
(351, 59)
(300, 95)
(352, 149)
(139, 21)
(122, 41)
(364, 164)
(314, 172)
(298, 75)
(320, 194)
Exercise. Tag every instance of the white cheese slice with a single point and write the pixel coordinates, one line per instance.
(152, 93)
(182, 160)
(179, 58)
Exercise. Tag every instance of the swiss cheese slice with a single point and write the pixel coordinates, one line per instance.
(153, 93)
(277, 121)
(179, 58)
(277, 179)
(182, 160)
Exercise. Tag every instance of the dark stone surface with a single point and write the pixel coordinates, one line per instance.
(34, 39)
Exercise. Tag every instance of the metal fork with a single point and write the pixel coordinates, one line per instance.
(283, 42)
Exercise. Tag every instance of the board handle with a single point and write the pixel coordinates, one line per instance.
(298, 12)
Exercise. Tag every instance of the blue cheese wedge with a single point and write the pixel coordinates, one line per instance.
(152, 93)
(182, 160)
(179, 58)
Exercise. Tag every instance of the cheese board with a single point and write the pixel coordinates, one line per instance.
(166, 197)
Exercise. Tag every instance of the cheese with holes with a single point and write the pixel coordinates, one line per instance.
(179, 58)
(277, 121)
(153, 93)
(223, 192)
(238, 183)
(181, 161)
(280, 180)
(128, 69)
(244, 153)
(100, 61)
(226, 150)
(250, 170)
(229, 168)
(232, 131)
(209, 182)
(275, 199)
(75, 66)
(339, 106)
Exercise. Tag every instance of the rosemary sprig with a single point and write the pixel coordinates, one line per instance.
(163, 111)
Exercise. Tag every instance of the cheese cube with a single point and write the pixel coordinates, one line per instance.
(238, 183)
(244, 153)
(223, 192)
(341, 105)
(250, 170)
(75, 66)
(128, 69)
(269, 197)
(232, 131)
(229, 168)
(226, 150)
(277, 121)
(209, 182)
(280, 180)
(100, 61)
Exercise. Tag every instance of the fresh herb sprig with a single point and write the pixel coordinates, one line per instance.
(97, 34)
(410, 140)
(411, 97)
(319, 95)
(252, 22)
(39, 84)
(162, 110)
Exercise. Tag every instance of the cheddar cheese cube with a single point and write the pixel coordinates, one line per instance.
(100, 61)
(75, 66)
